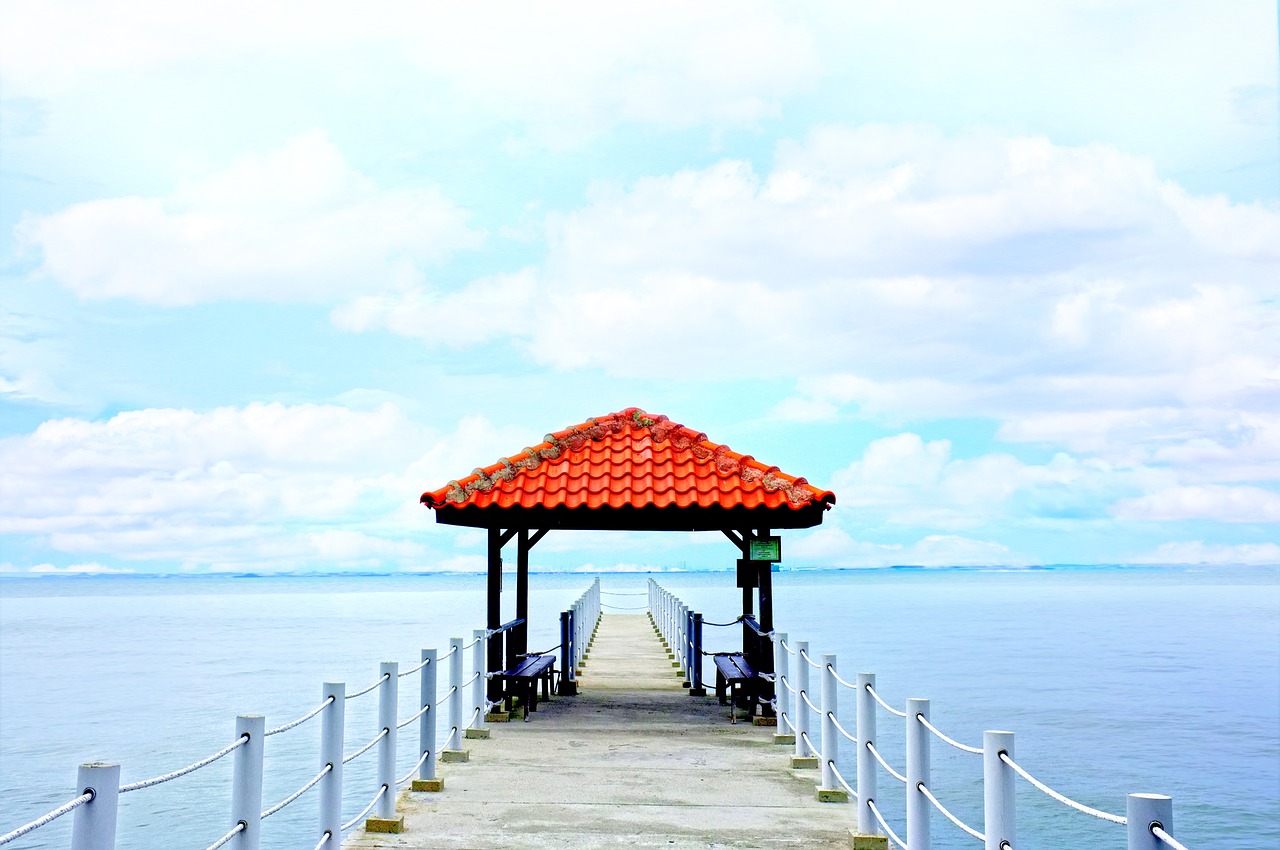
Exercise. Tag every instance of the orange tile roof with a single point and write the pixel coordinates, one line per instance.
(629, 460)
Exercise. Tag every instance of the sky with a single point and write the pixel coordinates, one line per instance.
(1004, 276)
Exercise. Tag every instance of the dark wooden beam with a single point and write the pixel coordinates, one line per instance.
(537, 535)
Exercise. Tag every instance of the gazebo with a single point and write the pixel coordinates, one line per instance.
(628, 471)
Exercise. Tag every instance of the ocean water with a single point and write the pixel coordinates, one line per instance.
(1113, 680)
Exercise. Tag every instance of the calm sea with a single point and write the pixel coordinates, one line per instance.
(1114, 681)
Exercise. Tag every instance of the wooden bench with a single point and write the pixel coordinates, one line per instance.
(735, 680)
(524, 679)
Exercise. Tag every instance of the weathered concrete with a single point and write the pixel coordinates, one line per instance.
(632, 761)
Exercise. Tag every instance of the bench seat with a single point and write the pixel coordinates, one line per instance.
(735, 679)
(526, 675)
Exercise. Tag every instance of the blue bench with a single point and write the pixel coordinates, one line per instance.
(524, 679)
(735, 680)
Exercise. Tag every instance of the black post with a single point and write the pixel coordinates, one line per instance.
(568, 687)
(520, 635)
(765, 582)
(696, 689)
(494, 617)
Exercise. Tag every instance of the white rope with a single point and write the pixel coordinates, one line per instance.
(804, 695)
(235, 830)
(786, 683)
(413, 670)
(472, 680)
(303, 719)
(836, 675)
(402, 780)
(445, 698)
(840, 779)
(384, 733)
(804, 736)
(384, 677)
(474, 715)
(817, 665)
(86, 797)
(840, 728)
(324, 839)
(884, 704)
(147, 783)
(885, 764)
(452, 649)
(1080, 807)
(1158, 832)
(951, 741)
(624, 607)
(786, 646)
(787, 720)
(871, 804)
(768, 677)
(421, 712)
(474, 641)
(932, 799)
(625, 592)
(296, 794)
(355, 820)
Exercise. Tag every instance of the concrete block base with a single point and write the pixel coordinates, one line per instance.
(475, 733)
(432, 785)
(784, 738)
(686, 684)
(460, 756)
(384, 824)
(869, 842)
(567, 689)
(833, 795)
(497, 717)
(697, 692)
(802, 762)
(764, 721)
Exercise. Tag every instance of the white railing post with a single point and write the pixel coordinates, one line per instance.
(478, 653)
(802, 709)
(94, 827)
(455, 695)
(332, 735)
(829, 791)
(427, 695)
(388, 700)
(1144, 811)
(866, 734)
(998, 791)
(918, 806)
(246, 781)
(782, 678)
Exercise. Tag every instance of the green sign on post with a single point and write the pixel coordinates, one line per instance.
(765, 549)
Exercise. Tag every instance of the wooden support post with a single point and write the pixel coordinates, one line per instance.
(493, 618)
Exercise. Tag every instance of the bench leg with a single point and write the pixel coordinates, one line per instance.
(720, 687)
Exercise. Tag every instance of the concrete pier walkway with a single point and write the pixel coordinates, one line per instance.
(632, 761)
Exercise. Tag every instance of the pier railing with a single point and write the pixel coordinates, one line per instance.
(1148, 818)
(95, 805)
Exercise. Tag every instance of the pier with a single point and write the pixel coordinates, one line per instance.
(632, 760)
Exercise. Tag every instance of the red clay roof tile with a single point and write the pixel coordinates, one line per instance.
(628, 459)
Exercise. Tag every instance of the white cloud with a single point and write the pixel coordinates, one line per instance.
(92, 568)
(265, 486)
(1198, 552)
(830, 546)
(1211, 502)
(295, 224)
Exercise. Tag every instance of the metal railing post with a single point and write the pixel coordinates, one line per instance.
(94, 827)
(802, 710)
(246, 781)
(427, 690)
(480, 636)
(866, 734)
(918, 806)
(455, 695)
(388, 699)
(332, 733)
(782, 678)
(1144, 811)
(830, 738)
(998, 791)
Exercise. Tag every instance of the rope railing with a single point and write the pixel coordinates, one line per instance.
(723, 625)
(384, 677)
(813, 748)
(191, 768)
(804, 656)
(850, 685)
(840, 728)
(898, 776)
(303, 719)
(625, 592)
(624, 607)
(1080, 807)
(786, 683)
(324, 839)
(1159, 832)
(235, 830)
(448, 694)
(476, 640)
(402, 780)
(934, 729)
(419, 713)
(804, 695)
(884, 704)
(947, 814)
(311, 783)
(415, 668)
(355, 820)
(369, 746)
(72, 805)
(840, 778)
(871, 804)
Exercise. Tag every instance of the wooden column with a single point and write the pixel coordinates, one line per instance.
(521, 635)
(764, 580)
(493, 618)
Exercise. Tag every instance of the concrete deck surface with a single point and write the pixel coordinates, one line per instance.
(632, 761)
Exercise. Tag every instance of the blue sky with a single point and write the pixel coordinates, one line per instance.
(1005, 276)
